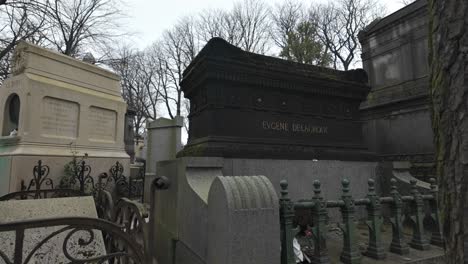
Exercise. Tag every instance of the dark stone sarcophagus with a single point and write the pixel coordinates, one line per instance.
(245, 105)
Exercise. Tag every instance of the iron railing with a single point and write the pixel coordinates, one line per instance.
(125, 234)
(373, 204)
(75, 240)
(35, 189)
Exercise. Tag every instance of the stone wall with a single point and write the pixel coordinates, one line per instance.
(394, 54)
(396, 112)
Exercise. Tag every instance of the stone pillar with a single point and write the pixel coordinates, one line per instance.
(163, 143)
(243, 221)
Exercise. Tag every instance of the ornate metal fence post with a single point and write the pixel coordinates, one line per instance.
(437, 238)
(82, 175)
(40, 173)
(398, 245)
(122, 186)
(319, 231)
(286, 218)
(375, 249)
(417, 205)
(351, 253)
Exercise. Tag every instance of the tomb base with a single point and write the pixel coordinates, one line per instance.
(181, 212)
(16, 165)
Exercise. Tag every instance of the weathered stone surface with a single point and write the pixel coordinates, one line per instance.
(60, 107)
(51, 251)
(271, 108)
(396, 111)
(180, 213)
(243, 221)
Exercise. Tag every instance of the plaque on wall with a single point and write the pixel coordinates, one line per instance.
(102, 124)
(59, 118)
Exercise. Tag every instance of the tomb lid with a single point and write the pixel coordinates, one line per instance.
(38, 62)
(223, 61)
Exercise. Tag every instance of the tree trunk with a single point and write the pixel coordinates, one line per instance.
(448, 45)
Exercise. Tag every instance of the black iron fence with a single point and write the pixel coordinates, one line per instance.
(373, 204)
(123, 225)
(40, 187)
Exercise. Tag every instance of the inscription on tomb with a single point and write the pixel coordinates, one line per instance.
(59, 118)
(102, 124)
(294, 127)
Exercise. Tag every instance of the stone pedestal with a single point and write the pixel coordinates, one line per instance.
(163, 143)
(55, 107)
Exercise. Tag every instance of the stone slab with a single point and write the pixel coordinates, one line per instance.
(51, 251)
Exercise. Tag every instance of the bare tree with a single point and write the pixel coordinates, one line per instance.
(295, 32)
(18, 21)
(339, 25)
(76, 24)
(139, 90)
(211, 23)
(285, 17)
(253, 21)
(178, 48)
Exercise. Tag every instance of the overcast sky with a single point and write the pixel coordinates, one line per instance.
(149, 18)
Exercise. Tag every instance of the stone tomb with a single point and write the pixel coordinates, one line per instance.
(53, 107)
(255, 115)
(246, 105)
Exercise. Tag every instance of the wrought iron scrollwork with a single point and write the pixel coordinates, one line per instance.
(132, 215)
(103, 198)
(35, 190)
(82, 176)
(40, 176)
(78, 233)
(119, 179)
(136, 185)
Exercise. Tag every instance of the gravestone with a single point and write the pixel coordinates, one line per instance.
(51, 251)
(53, 107)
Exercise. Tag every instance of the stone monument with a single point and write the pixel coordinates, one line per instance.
(54, 107)
(256, 115)
(246, 105)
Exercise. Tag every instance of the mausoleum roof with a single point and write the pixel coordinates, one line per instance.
(227, 61)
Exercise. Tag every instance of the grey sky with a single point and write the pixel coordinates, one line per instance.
(149, 18)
